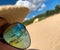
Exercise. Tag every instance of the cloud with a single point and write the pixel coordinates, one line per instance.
(26, 19)
(42, 7)
(33, 16)
(38, 1)
(30, 5)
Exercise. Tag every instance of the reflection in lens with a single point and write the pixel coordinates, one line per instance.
(17, 36)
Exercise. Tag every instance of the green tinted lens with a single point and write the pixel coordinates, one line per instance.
(17, 36)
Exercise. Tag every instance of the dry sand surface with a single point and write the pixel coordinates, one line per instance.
(45, 35)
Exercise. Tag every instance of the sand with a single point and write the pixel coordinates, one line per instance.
(13, 13)
(45, 35)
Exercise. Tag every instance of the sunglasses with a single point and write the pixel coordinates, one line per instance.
(15, 35)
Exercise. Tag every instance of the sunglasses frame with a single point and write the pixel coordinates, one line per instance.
(2, 37)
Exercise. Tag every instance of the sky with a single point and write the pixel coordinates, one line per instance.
(46, 5)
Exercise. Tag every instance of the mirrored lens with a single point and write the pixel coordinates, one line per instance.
(17, 36)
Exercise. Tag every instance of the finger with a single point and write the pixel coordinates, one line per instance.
(13, 13)
(3, 22)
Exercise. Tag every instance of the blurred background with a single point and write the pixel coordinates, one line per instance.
(44, 10)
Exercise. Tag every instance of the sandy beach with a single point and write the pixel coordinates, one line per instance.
(45, 35)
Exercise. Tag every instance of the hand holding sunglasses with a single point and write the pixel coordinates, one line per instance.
(16, 35)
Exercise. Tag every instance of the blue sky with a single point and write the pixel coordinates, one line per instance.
(49, 4)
